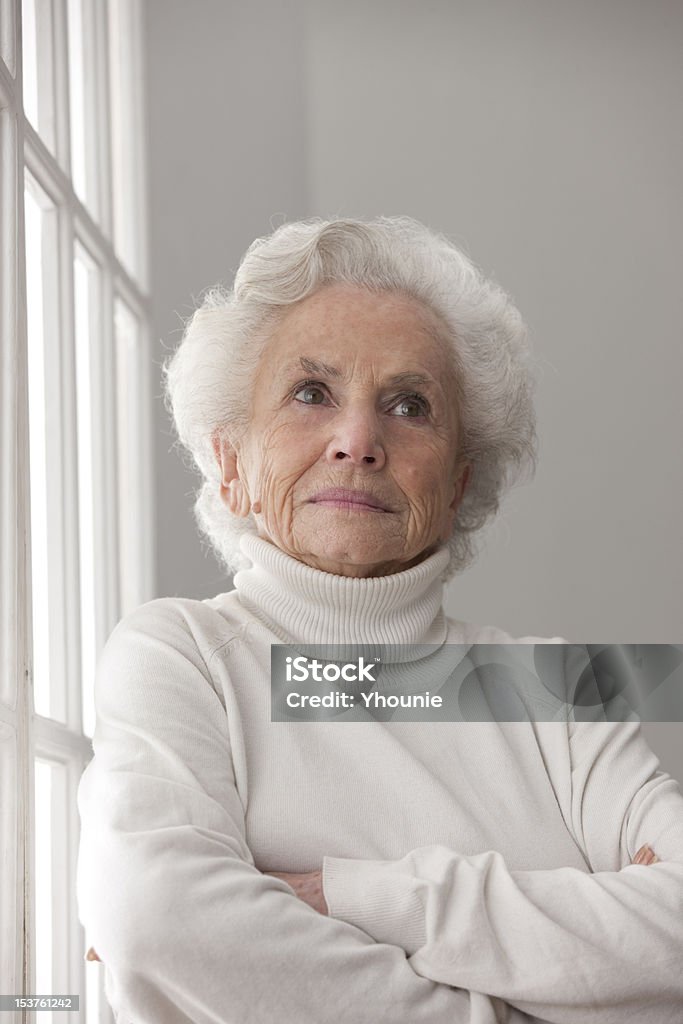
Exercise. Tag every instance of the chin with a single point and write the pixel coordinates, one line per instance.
(379, 549)
(358, 559)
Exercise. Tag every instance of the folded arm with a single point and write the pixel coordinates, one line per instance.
(566, 945)
(188, 928)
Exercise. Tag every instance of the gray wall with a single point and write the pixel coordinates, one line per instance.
(545, 138)
(227, 149)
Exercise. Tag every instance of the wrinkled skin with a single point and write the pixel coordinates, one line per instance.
(347, 421)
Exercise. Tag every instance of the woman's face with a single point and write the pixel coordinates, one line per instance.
(350, 459)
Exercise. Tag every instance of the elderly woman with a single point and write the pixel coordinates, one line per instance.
(357, 405)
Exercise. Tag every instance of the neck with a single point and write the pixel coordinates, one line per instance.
(300, 603)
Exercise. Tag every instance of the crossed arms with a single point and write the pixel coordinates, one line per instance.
(308, 885)
(191, 931)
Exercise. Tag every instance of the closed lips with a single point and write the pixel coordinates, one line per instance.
(340, 496)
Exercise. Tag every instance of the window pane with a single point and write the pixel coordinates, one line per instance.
(126, 132)
(87, 76)
(38, 85)
(8, 857)
(7, 34)
(85, 296)
(30, 60)
(54, 902)
(43, 883)
(77, 91)
(38, 453)
(130, 430)
(45, 453)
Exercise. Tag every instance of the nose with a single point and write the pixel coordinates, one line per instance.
(356, 440)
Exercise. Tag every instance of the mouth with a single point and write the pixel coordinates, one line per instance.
(343, 498)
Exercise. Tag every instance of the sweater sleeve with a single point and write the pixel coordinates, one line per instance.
(189, 930)
(567, 945)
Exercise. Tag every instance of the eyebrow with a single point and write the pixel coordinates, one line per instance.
(320, 369)
(414, 380)
(410, 380)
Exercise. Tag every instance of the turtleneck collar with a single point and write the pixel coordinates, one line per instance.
(305, 605)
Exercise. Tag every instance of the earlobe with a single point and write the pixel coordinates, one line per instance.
(237, 498)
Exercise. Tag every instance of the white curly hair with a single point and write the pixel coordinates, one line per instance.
(208, 379)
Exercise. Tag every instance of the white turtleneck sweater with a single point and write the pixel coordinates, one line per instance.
(476, 873)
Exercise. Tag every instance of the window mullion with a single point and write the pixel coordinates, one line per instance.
(7, 88)
(138, 303)
(14, 599)
(11, 314)
(15, 510)
(22, 637)
(51, 736)
(52, 179)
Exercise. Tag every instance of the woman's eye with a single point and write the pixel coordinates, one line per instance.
(310, 394)
(410, 407)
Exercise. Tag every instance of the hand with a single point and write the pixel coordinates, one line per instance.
(308, 886)
(646, 855)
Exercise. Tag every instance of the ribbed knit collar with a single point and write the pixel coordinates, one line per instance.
(305, 605)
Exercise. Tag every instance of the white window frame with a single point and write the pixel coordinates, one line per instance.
(25, 735)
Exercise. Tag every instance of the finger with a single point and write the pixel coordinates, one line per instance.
(645, 856)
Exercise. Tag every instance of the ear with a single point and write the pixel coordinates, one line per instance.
(460, 486)
(233, 491)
